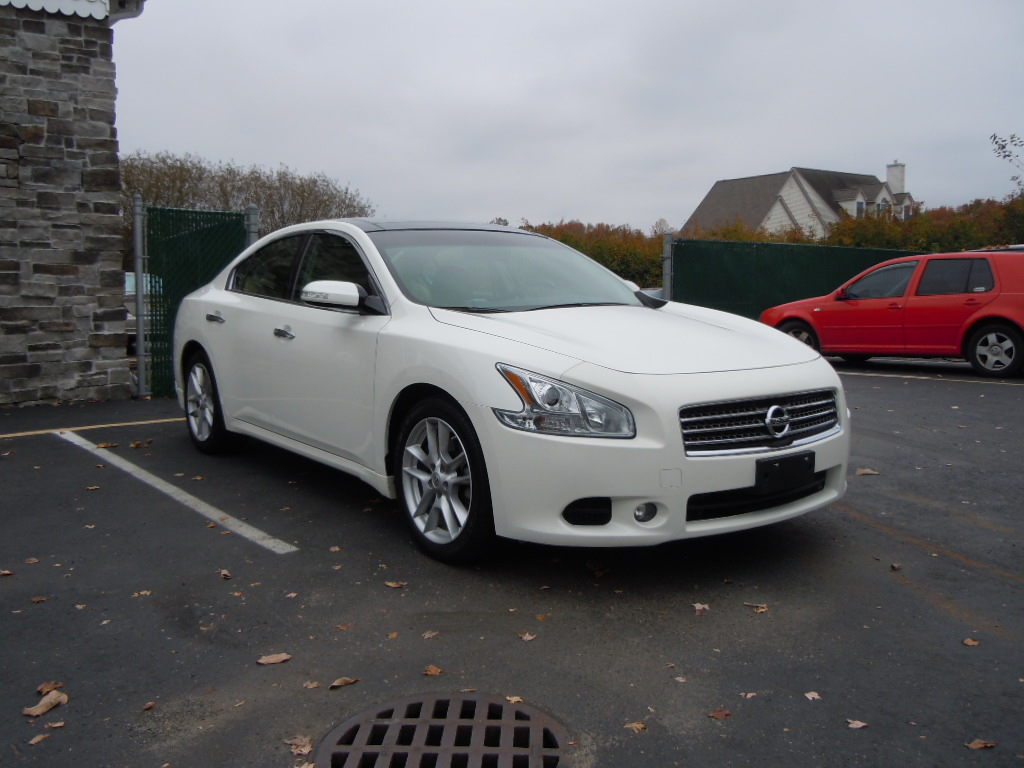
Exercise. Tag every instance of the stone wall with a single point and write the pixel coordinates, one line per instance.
(62, 315)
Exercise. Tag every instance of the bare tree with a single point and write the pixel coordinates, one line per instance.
(1006, 149)
(283, 196)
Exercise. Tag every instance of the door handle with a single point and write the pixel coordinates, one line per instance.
(211, 317)
(283, 333)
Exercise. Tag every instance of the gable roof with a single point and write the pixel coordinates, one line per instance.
(747, 199)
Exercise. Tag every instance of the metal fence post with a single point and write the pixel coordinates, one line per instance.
(666, 266)
(139, 217)
(252, 224)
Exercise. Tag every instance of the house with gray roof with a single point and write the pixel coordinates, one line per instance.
(802, 198)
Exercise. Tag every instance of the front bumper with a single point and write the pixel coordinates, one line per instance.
(534, 478)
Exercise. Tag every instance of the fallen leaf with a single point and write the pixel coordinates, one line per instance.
(856, 724)
(40, 599)
(225, 573)
(720, 714)
(274, 658)
(292, 595)
(106, 445)
(31, 560)
(341, 682)
(432, 671)
(136, 444)
(148, 706)
(971, 641)
(699, 608)
(980, 744)
(5, 572)
(392, 635)
(38, 738)
(311, 684)
(527, 636)
(813, 696)
(895, 567)
(395, 584)
(680, 679)
(58, 724)
(197, 477)
(430, 634)
(862, 472)
(758, 607)
(636, 727)
(92, 487)
(514, 699)
(301, 745)
(335, 548)
(343, 627)
(748, 695)
(143, 593)
(48, 702)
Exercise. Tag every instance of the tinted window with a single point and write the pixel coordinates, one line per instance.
(269, 271)
(944, 276)
(331, 257)
(885, 283)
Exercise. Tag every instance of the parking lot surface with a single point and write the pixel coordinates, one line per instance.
(150, 580)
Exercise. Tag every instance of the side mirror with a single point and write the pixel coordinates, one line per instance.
(334, 294)
(841, 295)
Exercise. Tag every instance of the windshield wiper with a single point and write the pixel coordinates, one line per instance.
(477, 310)
(579, 304)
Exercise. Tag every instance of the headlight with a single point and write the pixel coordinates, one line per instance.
(556, 408)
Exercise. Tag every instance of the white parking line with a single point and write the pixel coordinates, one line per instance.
(222, 519)
(990, 382)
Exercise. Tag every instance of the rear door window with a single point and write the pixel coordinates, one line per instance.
(946, 276)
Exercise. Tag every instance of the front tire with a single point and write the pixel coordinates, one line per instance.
(996, 350)
(801, 331)
(442, 482)
(203, 413)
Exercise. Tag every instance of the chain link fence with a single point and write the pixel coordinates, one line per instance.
(183, 250)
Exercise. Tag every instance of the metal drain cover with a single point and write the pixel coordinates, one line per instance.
(446, 731)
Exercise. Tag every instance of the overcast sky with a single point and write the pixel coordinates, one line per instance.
(599, 111)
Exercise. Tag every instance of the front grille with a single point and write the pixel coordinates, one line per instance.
(746, 426)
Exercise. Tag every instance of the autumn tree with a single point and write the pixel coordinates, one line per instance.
(1006, 149)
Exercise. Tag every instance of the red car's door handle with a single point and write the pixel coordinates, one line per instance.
(895, 306)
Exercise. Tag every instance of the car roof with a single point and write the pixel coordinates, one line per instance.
(381, 225)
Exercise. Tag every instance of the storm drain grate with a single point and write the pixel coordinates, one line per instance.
(460, 731)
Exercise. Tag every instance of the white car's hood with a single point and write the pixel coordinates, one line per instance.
(676, 338)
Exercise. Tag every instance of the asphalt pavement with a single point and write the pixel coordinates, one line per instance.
(149, 580)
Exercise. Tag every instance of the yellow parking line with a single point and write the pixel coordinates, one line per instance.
(928, 546)
(57, 430)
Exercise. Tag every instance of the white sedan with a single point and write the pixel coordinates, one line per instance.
(501, 384)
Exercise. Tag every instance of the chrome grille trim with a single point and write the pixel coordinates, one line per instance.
(740, 426)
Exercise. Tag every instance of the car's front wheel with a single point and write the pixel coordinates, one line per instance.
(442, 483)
(202, 407)
(800, 331)
(996, 350)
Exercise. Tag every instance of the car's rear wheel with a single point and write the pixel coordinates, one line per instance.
(202, 407)
(996, 350)
(800, 331)
(442, 483)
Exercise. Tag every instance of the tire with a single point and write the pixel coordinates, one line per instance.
(801, 331)
(996, 350)
(442, 483)
(203, 414)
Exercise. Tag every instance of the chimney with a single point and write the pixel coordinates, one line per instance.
(896, 176)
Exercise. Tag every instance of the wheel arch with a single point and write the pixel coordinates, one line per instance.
(404, 402)
(978, 322)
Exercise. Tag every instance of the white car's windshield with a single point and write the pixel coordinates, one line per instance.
(487, 271)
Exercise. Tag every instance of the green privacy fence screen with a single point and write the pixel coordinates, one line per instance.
(747, 278)
(185, 250)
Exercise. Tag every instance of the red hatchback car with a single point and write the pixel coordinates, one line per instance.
(968, 304)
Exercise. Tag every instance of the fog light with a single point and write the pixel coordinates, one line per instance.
(645, 512)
